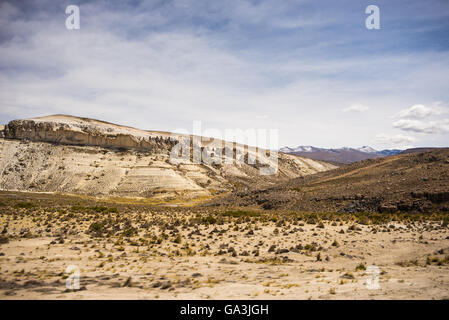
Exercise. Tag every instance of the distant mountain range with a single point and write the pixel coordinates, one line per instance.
(341, 155)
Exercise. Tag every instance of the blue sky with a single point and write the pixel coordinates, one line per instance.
(308, 68)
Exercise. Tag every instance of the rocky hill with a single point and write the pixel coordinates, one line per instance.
(69, 154)
(415, 182)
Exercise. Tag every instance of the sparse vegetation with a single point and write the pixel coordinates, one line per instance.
(433, 260)
(24, 205)
(241, 213)
(235, 240)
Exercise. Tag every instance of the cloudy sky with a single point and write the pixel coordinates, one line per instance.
(308, 68)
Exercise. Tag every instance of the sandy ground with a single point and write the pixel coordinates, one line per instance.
(231, 260)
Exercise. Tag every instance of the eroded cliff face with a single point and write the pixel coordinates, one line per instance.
(78, 155)
(45, 167)
(85, 134)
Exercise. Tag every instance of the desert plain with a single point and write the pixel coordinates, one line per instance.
(130, 249)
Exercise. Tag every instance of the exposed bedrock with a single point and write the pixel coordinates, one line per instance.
(87, 135)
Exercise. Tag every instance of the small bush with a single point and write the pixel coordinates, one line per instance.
(241, 213)
(3, 240)
(99, 209)
(78, 208)
(209, 219)
(24, 205)
(178, 239)
(129, 232)
(361, 267)
(408, 263)
(97, 228)
(437, 261)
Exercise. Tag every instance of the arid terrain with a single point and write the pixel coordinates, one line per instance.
(136, 226)
(411, 182)
(135, 251)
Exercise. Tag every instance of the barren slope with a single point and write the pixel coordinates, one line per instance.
(407, 182)
(78, 155)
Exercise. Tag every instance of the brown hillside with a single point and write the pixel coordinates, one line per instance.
(417, 182)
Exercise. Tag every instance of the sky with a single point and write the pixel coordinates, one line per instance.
(308, 68)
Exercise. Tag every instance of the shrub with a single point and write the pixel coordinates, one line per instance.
(311, 221)
(97, 228)
(99, 209)
(24, 205)
(103, 209)
(3, 240)
(129, 232)
(78, 208)
(361, 267)
(178, 239)
(241, 213)
(209, 219)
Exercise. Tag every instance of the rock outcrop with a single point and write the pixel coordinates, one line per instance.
(86, 132)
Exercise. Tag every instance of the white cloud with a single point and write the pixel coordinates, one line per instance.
(430, 127)
(356, 108)
(418, 111)
(395, 140)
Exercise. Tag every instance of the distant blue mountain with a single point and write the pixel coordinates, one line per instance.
(340, 155)
(387, 152)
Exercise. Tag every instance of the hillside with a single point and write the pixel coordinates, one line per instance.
(68, 154)
(417, 182)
